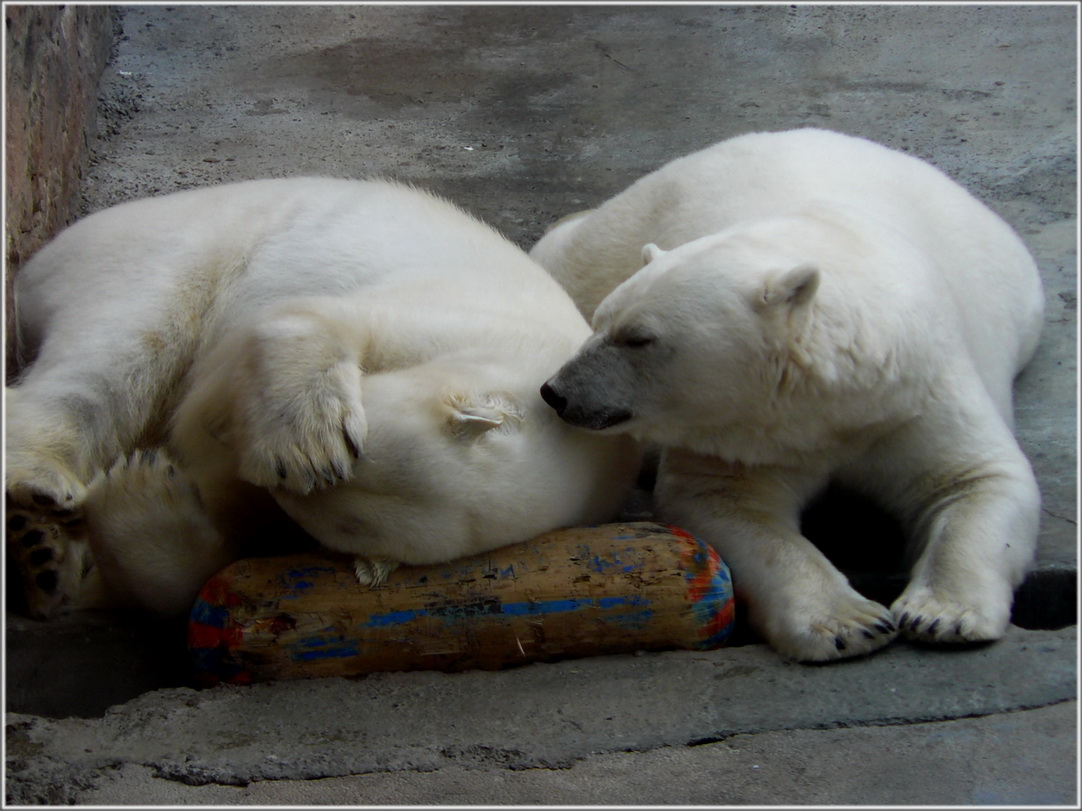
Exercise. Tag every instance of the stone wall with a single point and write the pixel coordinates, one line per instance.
(55, 55)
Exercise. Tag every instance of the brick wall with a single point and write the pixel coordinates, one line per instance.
(55, 55)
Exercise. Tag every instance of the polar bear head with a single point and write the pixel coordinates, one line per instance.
(463, 457)
(699, 339)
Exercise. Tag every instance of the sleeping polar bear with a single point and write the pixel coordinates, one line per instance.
(359, 356)
(815, 307)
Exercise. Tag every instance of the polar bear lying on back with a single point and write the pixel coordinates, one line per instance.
(815, 307)
(360, 356)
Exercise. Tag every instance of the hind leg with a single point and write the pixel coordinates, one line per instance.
(46, 466)
(60, 430)
(975, 541)
(96, 389)
(153, 541)
(972, 509)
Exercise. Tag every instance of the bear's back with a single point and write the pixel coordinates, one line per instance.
(222, 251)
(990, 277)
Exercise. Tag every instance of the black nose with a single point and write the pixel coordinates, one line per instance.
(553, 398)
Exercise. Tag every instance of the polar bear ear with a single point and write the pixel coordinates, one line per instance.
(470, 419)
(791, 288)
(650, 252)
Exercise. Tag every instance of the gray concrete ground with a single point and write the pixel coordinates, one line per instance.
(723, 727)
(524, 114)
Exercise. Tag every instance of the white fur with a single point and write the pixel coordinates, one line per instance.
(365, 356)
(816, 307)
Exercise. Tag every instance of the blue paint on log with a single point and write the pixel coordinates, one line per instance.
(393, 618)
(520, 609)
(338, 652)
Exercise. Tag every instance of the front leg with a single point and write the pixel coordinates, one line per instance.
(795, 598)
(295, 397)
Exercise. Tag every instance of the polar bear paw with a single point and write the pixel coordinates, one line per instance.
(153, 541)
(305, 441)
(924, 616)
(847, 626)
(146, 478)
(373, 571)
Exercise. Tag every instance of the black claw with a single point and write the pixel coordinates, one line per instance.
(281, 468)
(839, 643)
(958, 629)
(931, 628)
(884, 627)
(904, 619)
(868, 634)
(354, 451)
(916, 622)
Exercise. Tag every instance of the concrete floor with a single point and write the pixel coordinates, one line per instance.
(521, 115)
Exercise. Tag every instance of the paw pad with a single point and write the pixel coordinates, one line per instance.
(51, 557)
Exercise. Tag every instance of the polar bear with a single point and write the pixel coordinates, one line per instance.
(811, 307)
(359, 356)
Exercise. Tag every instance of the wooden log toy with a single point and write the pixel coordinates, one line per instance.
(613, 588)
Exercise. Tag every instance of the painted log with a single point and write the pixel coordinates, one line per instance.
(613, 588)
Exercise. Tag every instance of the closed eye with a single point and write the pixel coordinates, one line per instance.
(634, 341)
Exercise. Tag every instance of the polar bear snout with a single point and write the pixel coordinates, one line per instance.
(594, 390)
(582, 411)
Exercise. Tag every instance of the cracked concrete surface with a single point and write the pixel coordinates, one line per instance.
(522, 115)
(815, 766)
(575, 708)
(543, 717)
(977, 758)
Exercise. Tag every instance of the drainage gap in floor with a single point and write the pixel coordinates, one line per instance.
(1047, 600)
